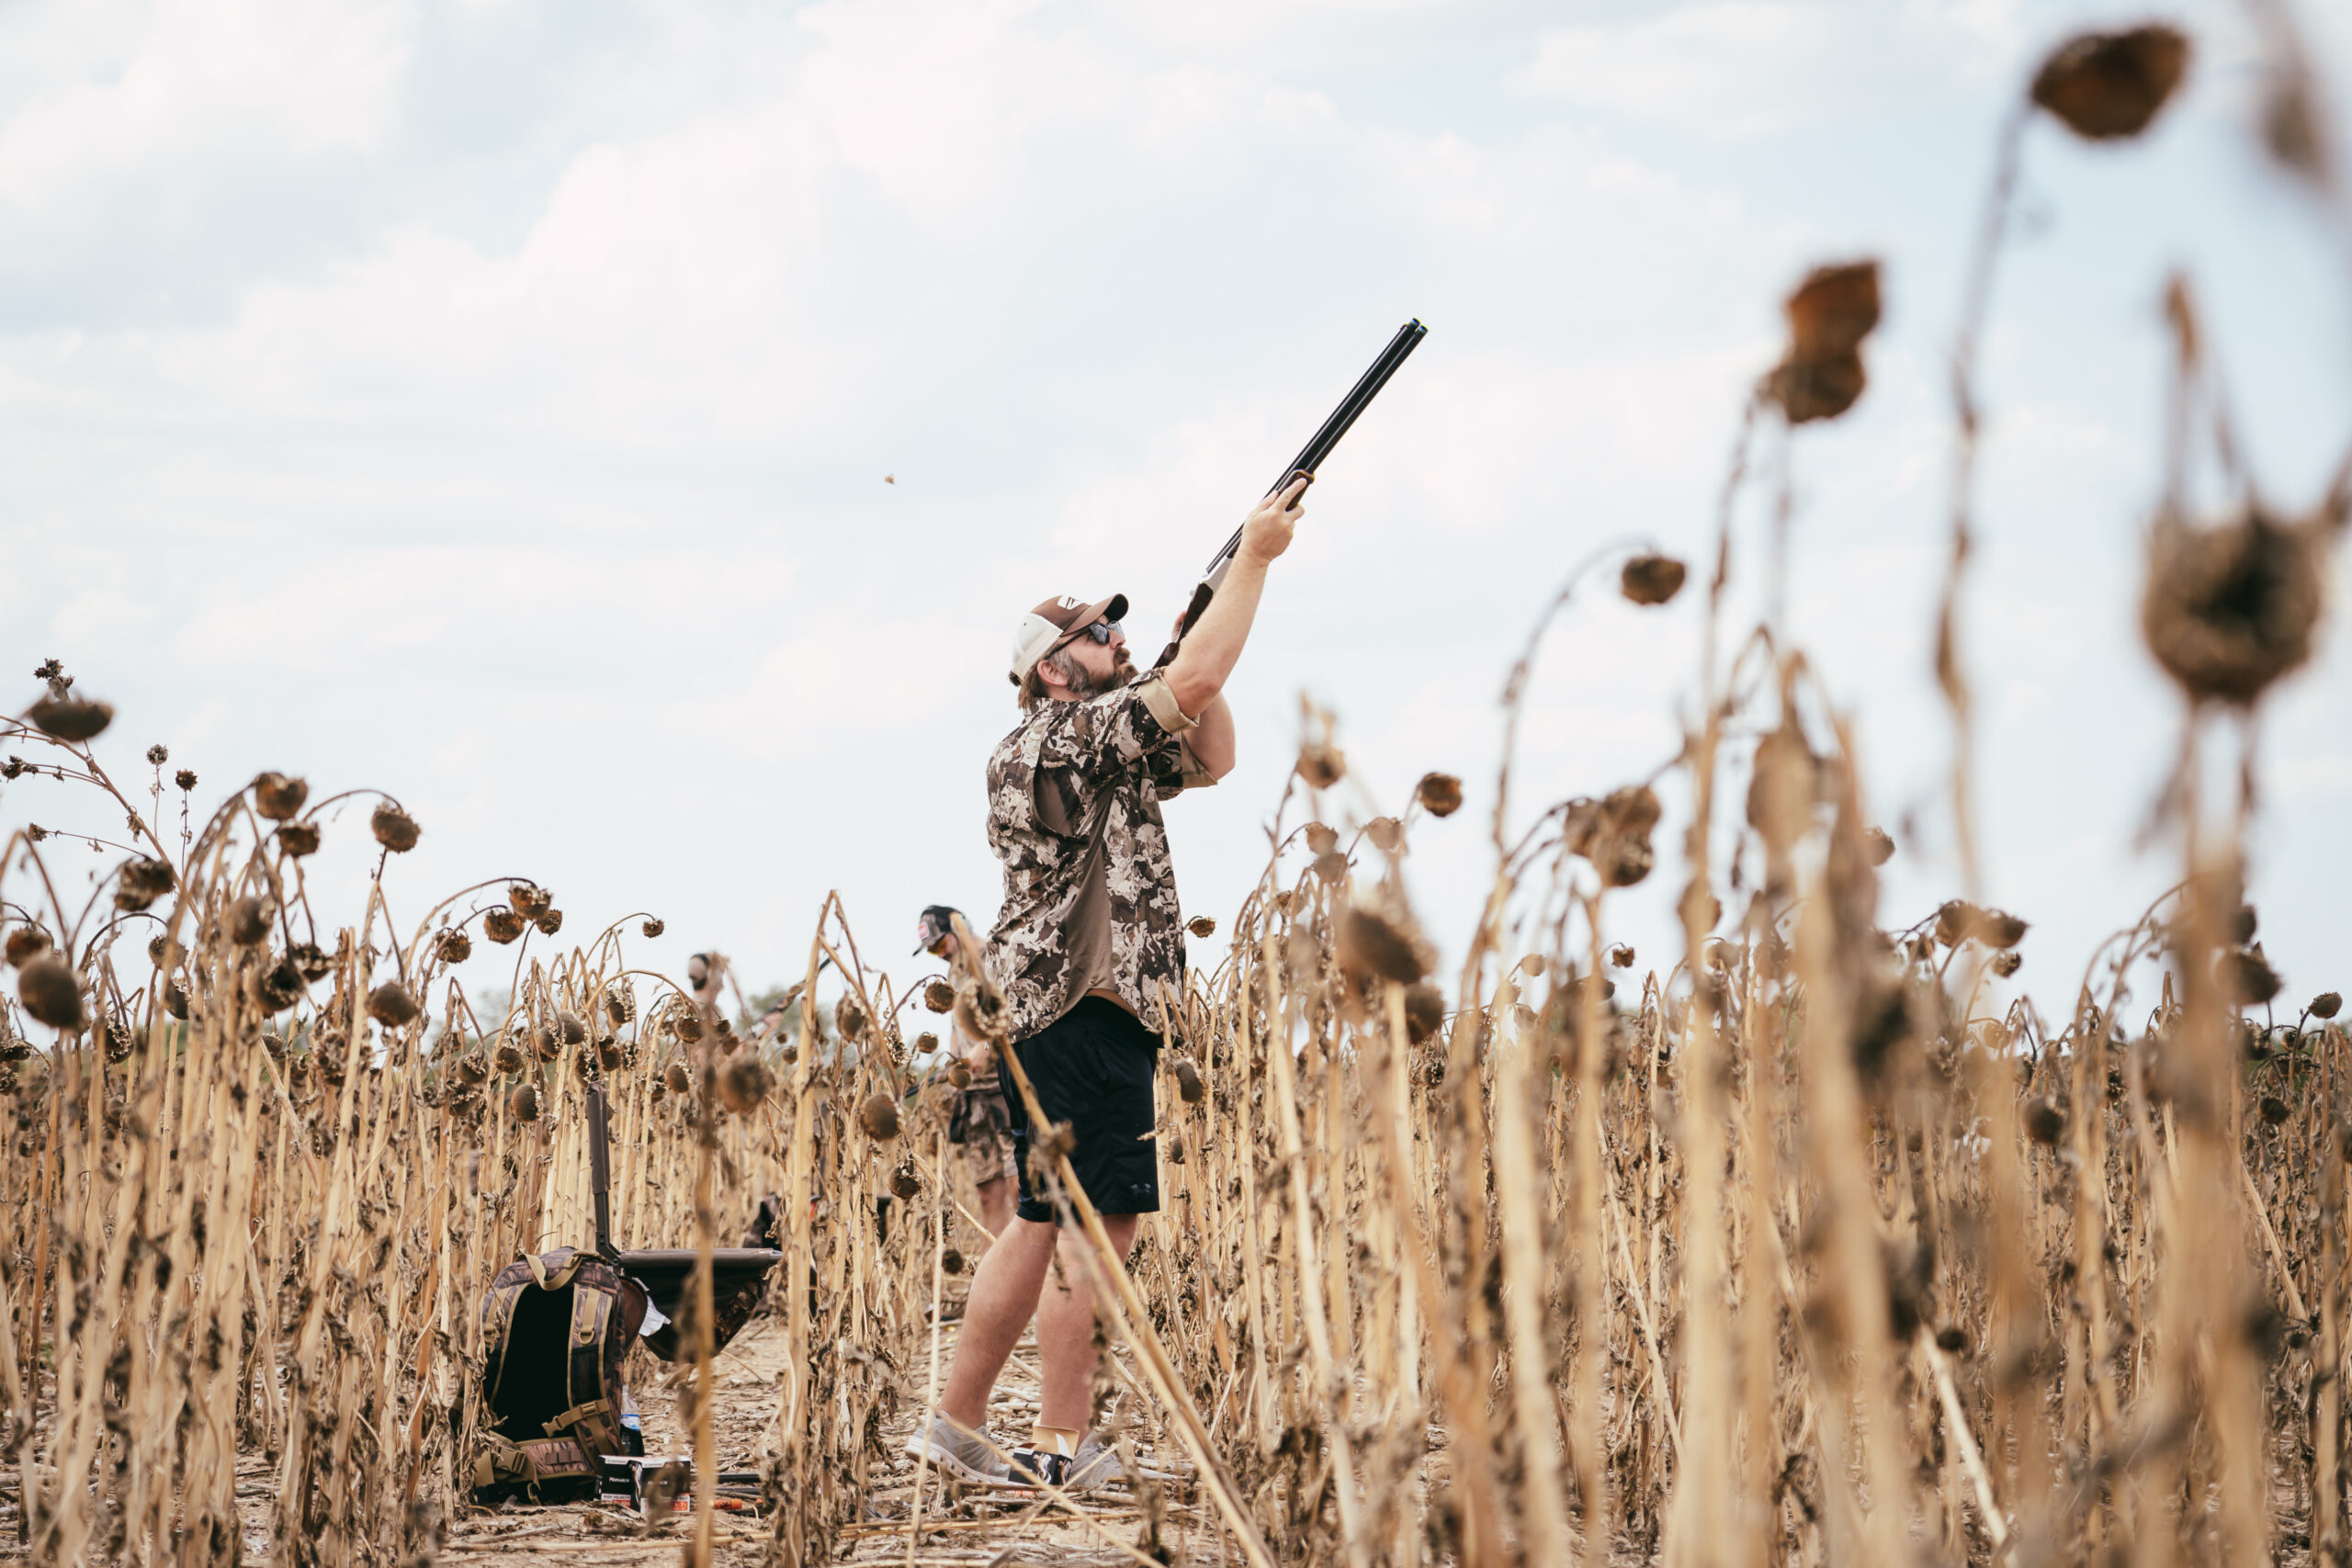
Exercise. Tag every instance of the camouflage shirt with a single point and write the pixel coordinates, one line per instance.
(1090, 891)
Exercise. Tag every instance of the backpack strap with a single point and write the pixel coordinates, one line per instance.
(593, 1417)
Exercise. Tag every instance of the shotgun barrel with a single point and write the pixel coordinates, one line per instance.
(1310, 457)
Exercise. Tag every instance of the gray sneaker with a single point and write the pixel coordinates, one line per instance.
(1093, 1465)
(961, 1452)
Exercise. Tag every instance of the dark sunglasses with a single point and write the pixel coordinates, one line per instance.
(1100, 631)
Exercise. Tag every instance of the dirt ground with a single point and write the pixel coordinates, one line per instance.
(962, 1527)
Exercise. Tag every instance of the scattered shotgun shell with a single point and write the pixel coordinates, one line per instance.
(742, 1082)
(1440, 794)
(279, 797)
(1188, 1081)
(1651, 578)
(880, 1117)
(939, 995)
(674, 1077)
(46, 986)
(905, 1183)
(652, 928)
(391, 1005)
(299, 839)
(2109, 86)
(502, 926)
(522, 1105)
(71, 718)
(1201, 925)
(550, 922)
(142, 882)
(247, 923)
(24, 942)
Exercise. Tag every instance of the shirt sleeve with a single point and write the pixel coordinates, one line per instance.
(1104, 736)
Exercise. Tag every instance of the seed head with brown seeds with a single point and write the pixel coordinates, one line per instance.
(2228, 610)
(391, 1005)
(312, 960)
(394, 829)
(1321, 764)
(951, 1261)
(279, 797)
(652, 928)
(471, 1069)
(880, 1117)
(2044, 1122)
(185, 779)
(742, 1082)
(522, 1105)
(1440, 794)
(507, 1058)
(938, 996)
(1878, 845)
(2248, 978)
(1651, 578)
(71, 719)
(1188, 1080)
(851, 1018)
(142, 882)
(50, 992)
(1376, 945)
(2327, 1004)
(2109, 86)
(24, 942)
(299, 839)
(502, 926)
(1830, 315)
(452, 945)
(247, 922)
(675, 1076)
(550, 922)
(1203, 925)
(905, 1183)
(689, 1026)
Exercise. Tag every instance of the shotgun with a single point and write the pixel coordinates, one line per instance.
(1310, 457)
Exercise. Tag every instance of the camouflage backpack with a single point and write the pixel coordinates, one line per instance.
(555, 1332)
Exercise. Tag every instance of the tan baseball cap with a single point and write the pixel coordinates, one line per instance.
(1056, 621)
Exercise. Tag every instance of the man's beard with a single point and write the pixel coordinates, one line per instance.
(1084, 683)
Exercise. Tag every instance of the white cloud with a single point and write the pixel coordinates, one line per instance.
(1731, 69)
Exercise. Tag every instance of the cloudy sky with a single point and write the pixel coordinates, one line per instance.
(627, 434)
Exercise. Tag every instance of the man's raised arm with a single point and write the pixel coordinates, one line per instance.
(1205, 662)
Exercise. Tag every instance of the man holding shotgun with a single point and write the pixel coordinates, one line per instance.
(1090, 933)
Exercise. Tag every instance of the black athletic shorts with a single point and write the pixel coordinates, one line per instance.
(1091, 1068)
